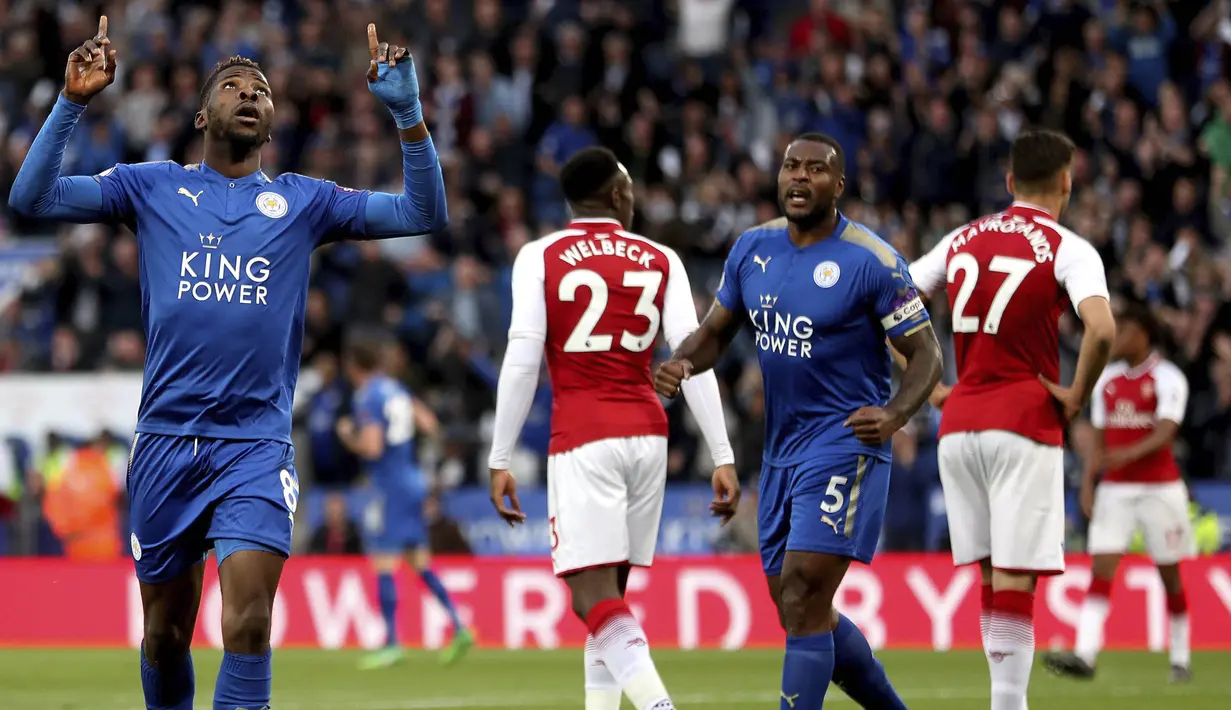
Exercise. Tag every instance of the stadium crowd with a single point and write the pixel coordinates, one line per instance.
(698, 98)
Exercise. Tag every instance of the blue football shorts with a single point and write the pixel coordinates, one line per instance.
(188, 494)
(834, 505)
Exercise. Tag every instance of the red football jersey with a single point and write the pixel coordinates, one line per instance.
(1009, 277)
(1128, 403)
(605, 294)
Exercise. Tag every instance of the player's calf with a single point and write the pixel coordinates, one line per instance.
(1177, 622)
(1093, 618)
(168, 679)
(1010, 638)
(249, 580)
(385, 566)
(809, 582)
(857, 672)
(618, 638)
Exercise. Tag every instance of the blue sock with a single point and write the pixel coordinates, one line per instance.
(170, 687)
(806, 672)
(387, 592)
(442, 595)
(244, 682)
(857, 671)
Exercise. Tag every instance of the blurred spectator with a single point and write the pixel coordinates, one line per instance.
(444, 534)
(337, 534)
(80, 500)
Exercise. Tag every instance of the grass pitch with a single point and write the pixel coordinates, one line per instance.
(715, 680)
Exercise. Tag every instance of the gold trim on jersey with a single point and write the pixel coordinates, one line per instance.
(861, 467)
(859, 236)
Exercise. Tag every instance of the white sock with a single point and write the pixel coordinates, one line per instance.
(622, 646)
(985, 613)
(1090, 623)
(1010, 657)
(1180, 653)
(602, 690)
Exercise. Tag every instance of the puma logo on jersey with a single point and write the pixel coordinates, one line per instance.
(184, 191)
(832, 523)
(761, 262)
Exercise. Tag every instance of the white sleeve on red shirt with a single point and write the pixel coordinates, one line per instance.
(1098, 401)
(700, 391)
(1171, 392)
(519, 373)
(1079, 268)
(930, 271)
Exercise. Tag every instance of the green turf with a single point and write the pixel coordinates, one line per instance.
(323, 680)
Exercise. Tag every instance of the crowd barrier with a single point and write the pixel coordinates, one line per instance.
(901, 601)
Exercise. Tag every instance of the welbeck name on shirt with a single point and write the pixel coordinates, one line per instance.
(216, 277)
(580, 251)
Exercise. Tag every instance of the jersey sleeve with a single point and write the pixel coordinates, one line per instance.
(122, 186)
(679, 309)
(930, 271)
(338, 212)
(730, 292)
(1098, 401)
(519, 373)
(895, 299)
(529, 319)
(1171, 392)
(368, 408)
(1079, 269)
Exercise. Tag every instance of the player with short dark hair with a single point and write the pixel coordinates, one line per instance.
(822, 293)
(1137, 409)
(1037, 157)
(381, 432)
(225, 255)
(1009, 277)
(593, 296)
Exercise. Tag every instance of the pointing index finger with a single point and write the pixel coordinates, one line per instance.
(373, 43)
(102, 27)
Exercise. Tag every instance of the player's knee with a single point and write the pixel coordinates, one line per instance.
(165, 641)
(246, 625)
(1170, 575)
(806, 607)
(1006, 581)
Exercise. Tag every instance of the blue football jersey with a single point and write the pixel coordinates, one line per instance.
(820, 316)
(224, 267)
(386, 403)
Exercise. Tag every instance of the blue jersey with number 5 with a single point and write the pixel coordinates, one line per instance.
(387, 404)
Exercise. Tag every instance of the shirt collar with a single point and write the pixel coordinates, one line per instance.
(1019, 206)
(257, 178)
(595, 220)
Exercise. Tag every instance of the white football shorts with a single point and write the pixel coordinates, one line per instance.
(1004, 496)
(605, 502)
(1159, 510)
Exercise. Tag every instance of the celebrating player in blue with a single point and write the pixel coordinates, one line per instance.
(821, 293)
(382, 433)
(224, 260)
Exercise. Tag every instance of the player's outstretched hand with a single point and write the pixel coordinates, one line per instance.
(726, 493)
(91, 67)
(503, 486)
(669, 376)
(874, 425)
(1068, 398)
(940, 395)
(392, 78)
